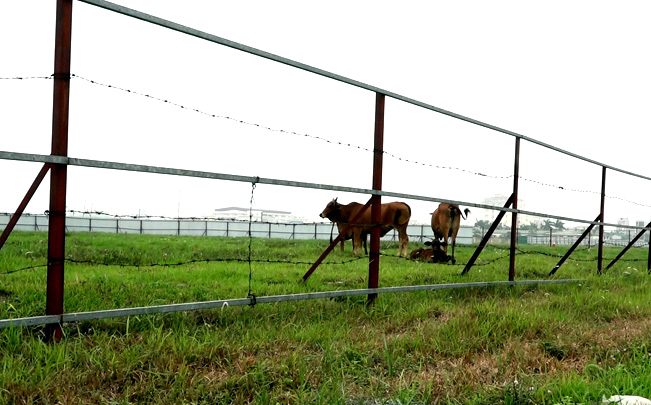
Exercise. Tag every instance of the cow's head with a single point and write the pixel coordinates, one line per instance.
(332, 207)
(434, 243)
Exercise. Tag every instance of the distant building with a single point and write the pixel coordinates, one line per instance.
(499, 200)
(622, 221)
(258, 215)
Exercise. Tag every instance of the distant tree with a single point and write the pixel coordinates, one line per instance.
(547, 225)
(559, 225)
(482, 224)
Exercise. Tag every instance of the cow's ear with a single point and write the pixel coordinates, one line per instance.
(335, 200)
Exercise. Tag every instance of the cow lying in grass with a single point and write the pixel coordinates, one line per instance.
(431, 255)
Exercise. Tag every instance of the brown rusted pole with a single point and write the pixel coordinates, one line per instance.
(339, 237)
(630, 245)
(23, 204)
(514, 215)
(376, 209)
(58, 173)
(574, 246)
(487, 236)
(648, 259)
(600, 254)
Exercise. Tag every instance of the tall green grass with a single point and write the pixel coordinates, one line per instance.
(570, 343)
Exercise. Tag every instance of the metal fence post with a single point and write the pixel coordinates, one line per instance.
(600, 253)
(514, 215)
(378, 150)
(58, 173)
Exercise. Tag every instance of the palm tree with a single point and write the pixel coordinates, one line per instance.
(480, 227)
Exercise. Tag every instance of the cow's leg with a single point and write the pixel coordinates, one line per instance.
(454, 241)
(342, 245)
(357, 241)
(365, 239)
(403, 246)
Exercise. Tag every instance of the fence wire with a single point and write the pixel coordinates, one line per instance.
(250, 260)
(319, 138)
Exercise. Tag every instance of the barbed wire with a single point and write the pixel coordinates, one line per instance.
(186, 262)
(27, 77)
(261, 126)
(138, 216)
(389, 154)
(480, 261)
(22, 269)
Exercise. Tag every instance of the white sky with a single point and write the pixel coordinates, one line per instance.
(574, 74)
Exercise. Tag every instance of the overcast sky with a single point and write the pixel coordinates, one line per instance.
(573, 74)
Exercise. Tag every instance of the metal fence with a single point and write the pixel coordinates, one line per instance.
(58, 160)
(273, 230)
(210, 227)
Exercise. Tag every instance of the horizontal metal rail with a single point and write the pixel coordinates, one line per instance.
(29, 157)
(254, 51)
(191, 306)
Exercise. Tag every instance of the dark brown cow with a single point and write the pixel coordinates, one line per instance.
(392, 215)
(445, 224)
(432, 255)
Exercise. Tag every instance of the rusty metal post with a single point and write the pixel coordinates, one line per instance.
(600, 254)
(514, 215)
(376, 209)
(648, 258)
(58, 173)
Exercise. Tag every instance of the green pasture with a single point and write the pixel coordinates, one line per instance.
(552, 344)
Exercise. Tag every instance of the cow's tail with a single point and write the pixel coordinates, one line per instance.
(466, 211)
(401, 217)
(453, 213)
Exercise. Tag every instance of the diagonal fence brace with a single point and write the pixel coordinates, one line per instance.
(575, 245)
(339, 237)
(487, 236)
(630, 244)
(23, 204)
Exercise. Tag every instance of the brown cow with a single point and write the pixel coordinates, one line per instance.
(445, 223)
(433, 255)
(340, 227)
(392, 215)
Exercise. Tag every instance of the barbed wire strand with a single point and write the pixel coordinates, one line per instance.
(389, 154)
(248, 260)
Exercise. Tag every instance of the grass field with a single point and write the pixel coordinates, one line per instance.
(553, 344)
